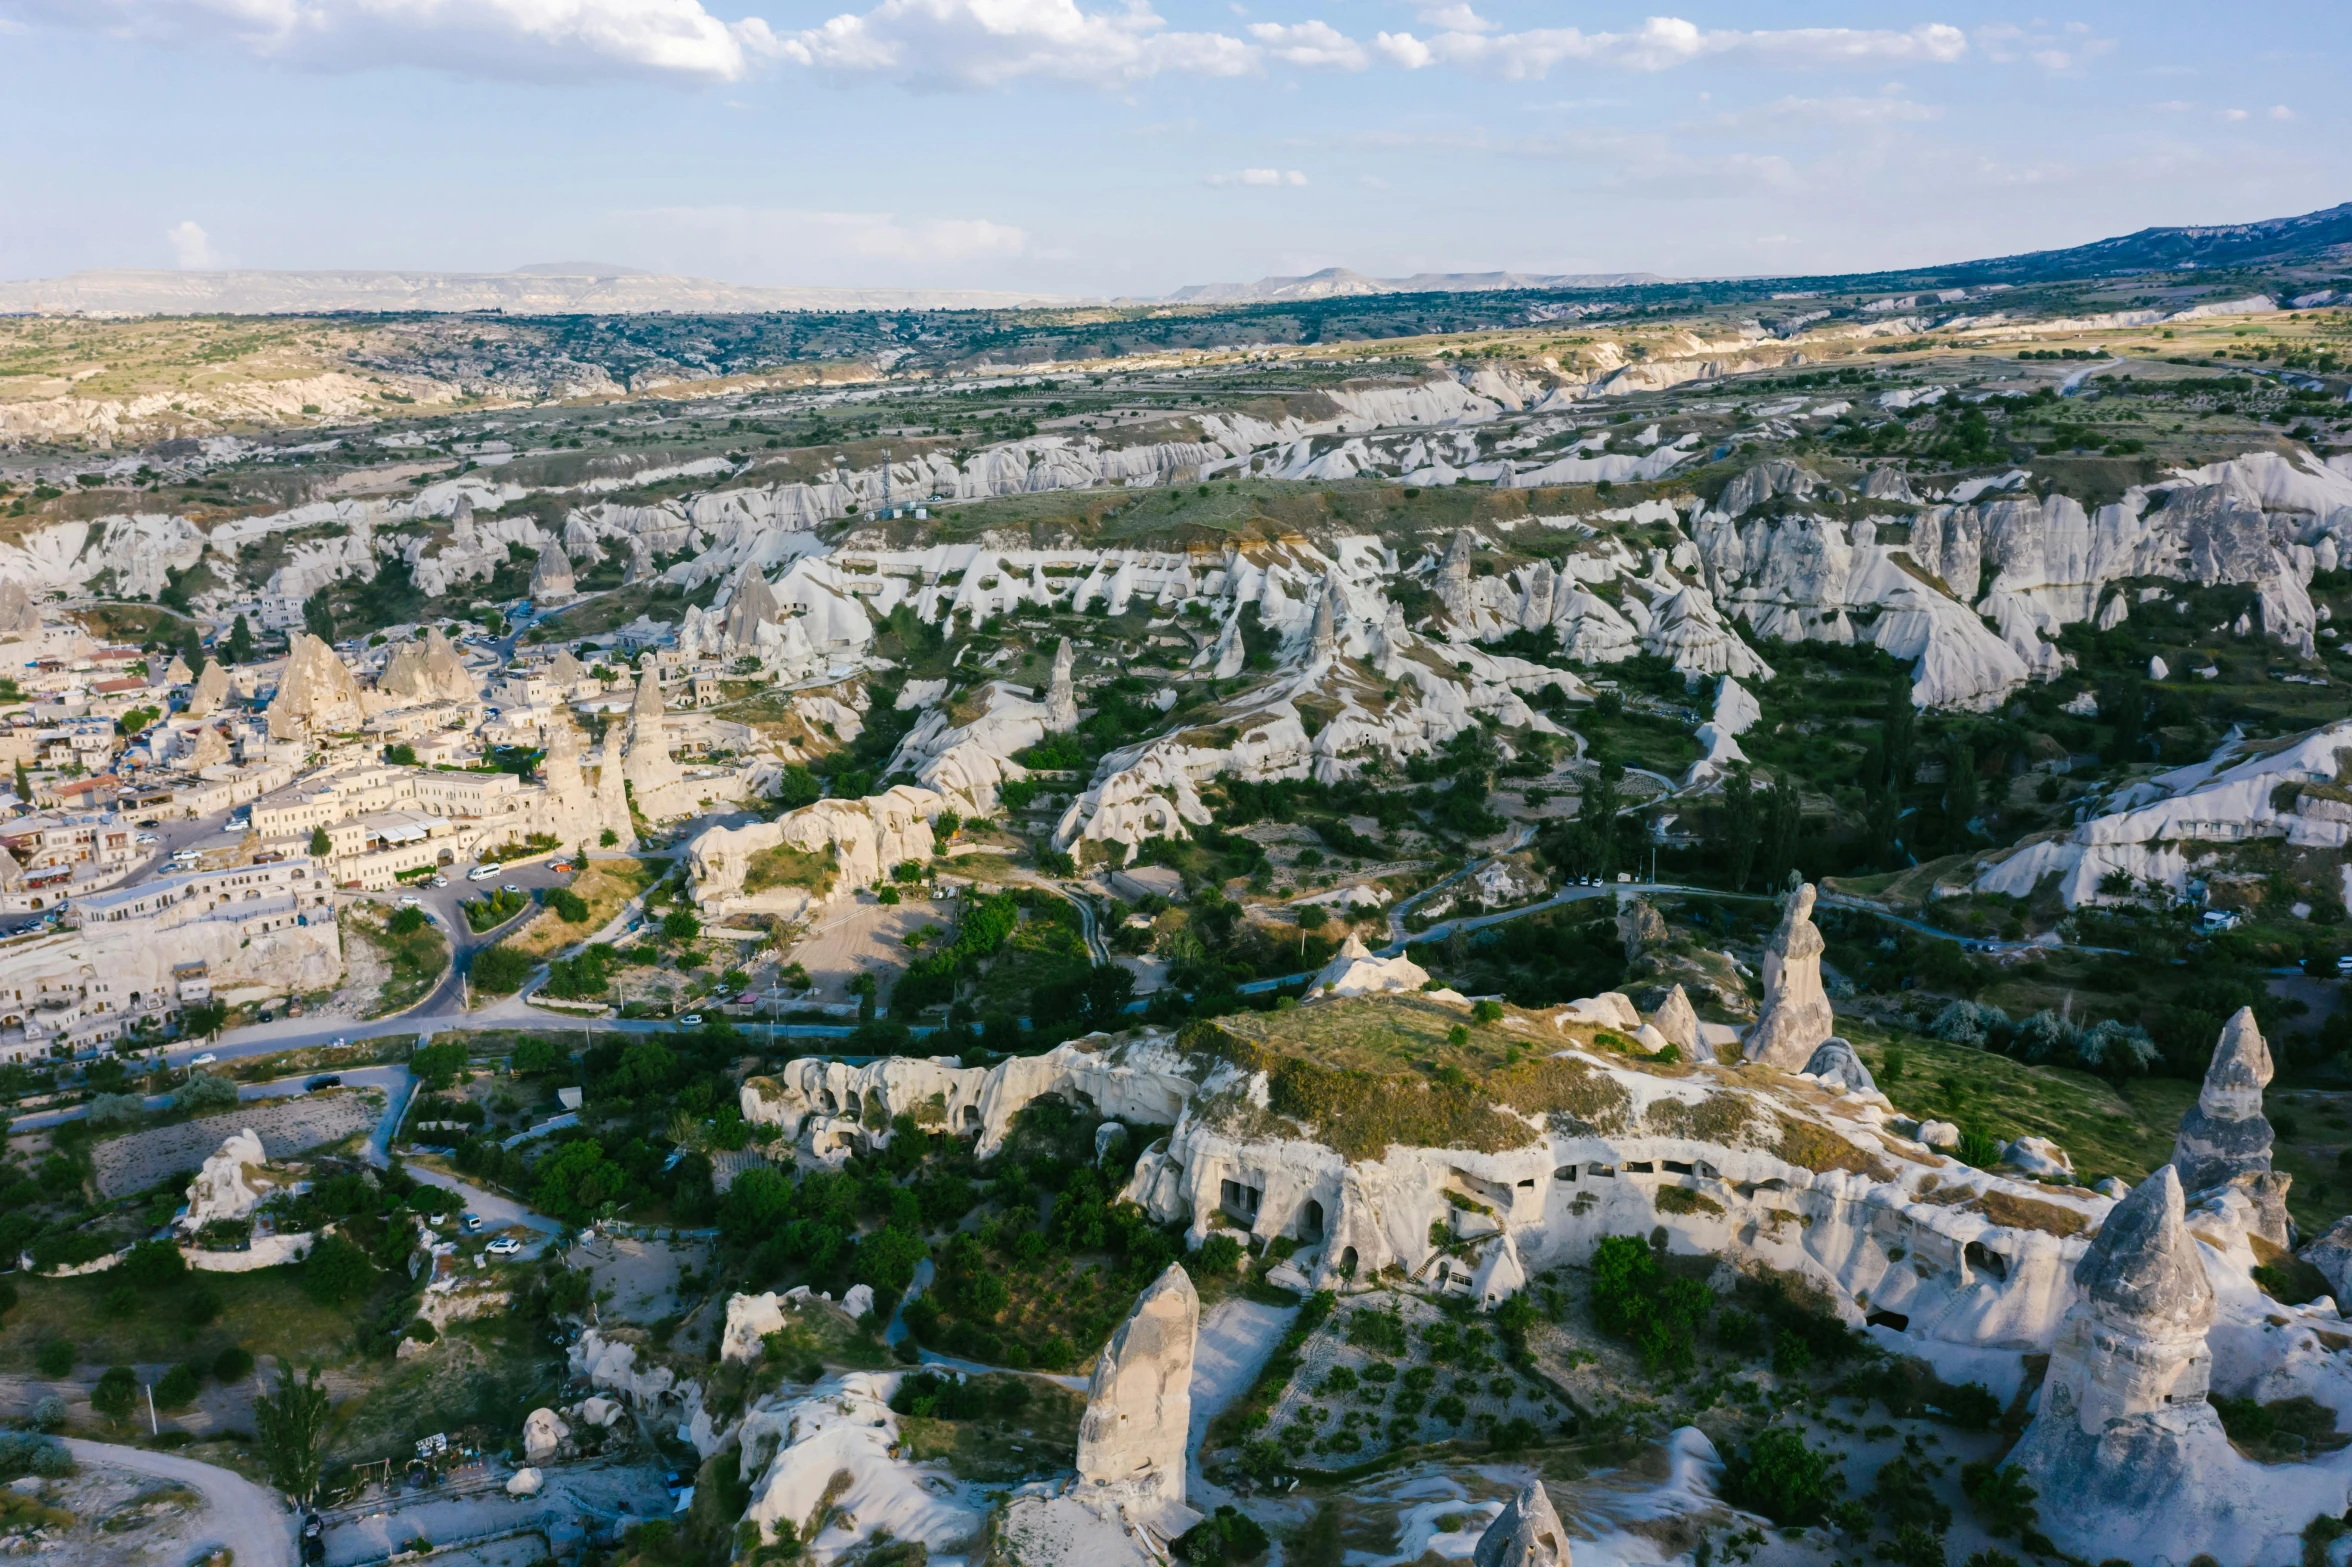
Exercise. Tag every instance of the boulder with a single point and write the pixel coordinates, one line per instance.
(525, 1482)
(225, 1188)
(2040, 1157)
(1678, 1021)
(1796, 1019)
(1526, 1533)
(750, 1319)
(1609, 1009)
(2331, 1254)
(858, 1299)
(599, 1411)
(2111, 1186)
(1838, 1065)
(544, 1434)
(1139, 1403)
(1939, 1134)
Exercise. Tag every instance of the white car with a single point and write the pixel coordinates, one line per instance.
(440, 881)
(511, 887)
(412, 903)
(482, 873)
(149, 837)
(206, 1059)
(504, 1246)
(691, 1020)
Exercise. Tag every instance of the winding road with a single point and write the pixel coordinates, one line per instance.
(251, 1522)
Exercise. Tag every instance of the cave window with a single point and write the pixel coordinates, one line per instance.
(1311, 1223)
(1983, 1259)
(1566, 1172)
(1600, 1171)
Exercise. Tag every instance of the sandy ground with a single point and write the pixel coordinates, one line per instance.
(862, 937)
(636, 1280)
(135, 1506)
(136, 1162)
(1237, 1338)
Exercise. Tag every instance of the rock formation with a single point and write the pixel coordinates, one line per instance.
(1061, 696)
(754, 604)
(2331, 1254)
(20, 617)
(1139, 1403)
(210, 750)
(1526, 1533)
(650, 770)
(612, 792)
(427, 671)
(1639, 926)
(551, 576)
(544, 1434)
(1796, 1018)
(1677, 1021)
(1838, 1065)
(2225, 1140)
(177, 672)
(224, 1188)
(316, 694)
(2129, 1458)
(1354, 971)
(861, 840)
(212, 689)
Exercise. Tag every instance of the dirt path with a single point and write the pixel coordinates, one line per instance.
(250, 1521)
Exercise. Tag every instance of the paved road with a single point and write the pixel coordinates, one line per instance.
(253, 1523)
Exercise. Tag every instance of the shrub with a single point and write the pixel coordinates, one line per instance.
(115, 1392)
(48, 1414)
(681, 925)
(1782, 1478)
(405, 922)
(117, 1110)
(501, 970)
(437, 1065)
(2004, 1503)
(234, 1364)
(1901, 1492)
(569, 906)
(1224, 1536)
(178, 1387)
(204, 1091)
(22, 1454)
(153, 1265)
(1633, 1299)
(336, 1271)
(56, 1359)
(1217, 1258)
(202, 1305)
(539, 1054)
(121, 1301)
(1487, 1012)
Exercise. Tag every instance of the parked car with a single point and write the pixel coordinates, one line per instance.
(440, 881)
(324, 1080)
(149, 837)
(691, 1020)
(510, 887)
(471, 1222)
(482, 873)
(206, 1059)
(412, 903)
(504, 1246)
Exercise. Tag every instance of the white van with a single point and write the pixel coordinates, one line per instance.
(482, 873)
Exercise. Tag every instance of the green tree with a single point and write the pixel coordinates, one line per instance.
(241, 641)
(318, 616)
(1899, 729)
(501, 970)
(152, 1265)
(798, 787)
(320, 844)
(117, 1391)
(336, 1271)
(681, 925)
(1782, 1478)
(204, 1019)
(290, 1427)
(436, 1066)
(178, 1387)
(1962, 797)
(1739, 826)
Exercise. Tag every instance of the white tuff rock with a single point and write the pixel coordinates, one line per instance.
(1139, 1402)
(1796, 1018)
(1526, 1533)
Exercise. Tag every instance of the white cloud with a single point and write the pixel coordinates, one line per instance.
(2279, 111)
(1664, 42)
(1455, 18)
(2230, 114)
(1885, 109)
(191, 246)
(530, 39)
(2173, 106)
(1259, 177)
(1316, 45)
(944, 44)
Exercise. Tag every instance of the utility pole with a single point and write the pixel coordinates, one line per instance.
(153, 1429)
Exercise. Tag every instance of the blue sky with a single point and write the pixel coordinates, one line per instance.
(1078, 147)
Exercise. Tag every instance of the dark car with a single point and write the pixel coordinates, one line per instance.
(324, 1080)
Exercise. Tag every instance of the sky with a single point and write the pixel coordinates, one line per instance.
(1094, 148)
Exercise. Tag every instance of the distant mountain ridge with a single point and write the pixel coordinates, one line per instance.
(544, 289)
(2320, 238)
(1342, 283)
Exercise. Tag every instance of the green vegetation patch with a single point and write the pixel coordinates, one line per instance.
(785, 866)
